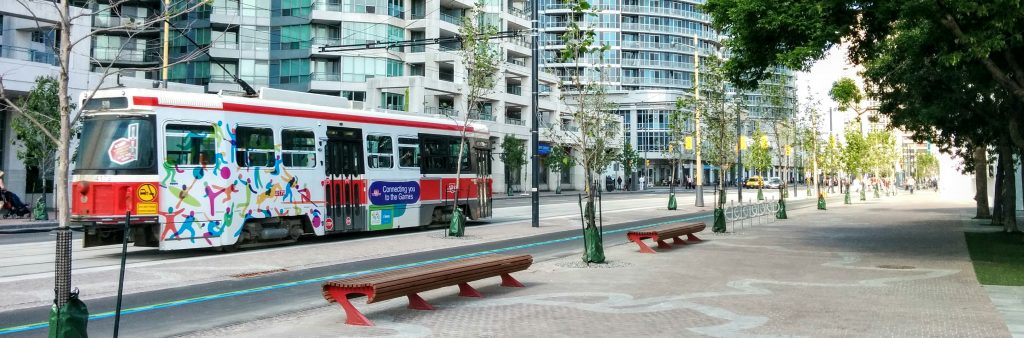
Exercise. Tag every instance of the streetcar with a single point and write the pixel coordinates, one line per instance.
(225, 171)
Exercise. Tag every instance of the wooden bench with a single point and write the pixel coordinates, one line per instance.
(410, 281)
(661, 233)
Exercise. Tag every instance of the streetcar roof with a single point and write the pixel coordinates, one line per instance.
(139, 98)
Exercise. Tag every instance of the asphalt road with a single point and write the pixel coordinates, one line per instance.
(35, 235)
(177, 311)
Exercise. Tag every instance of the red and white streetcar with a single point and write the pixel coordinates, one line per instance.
(208, 170)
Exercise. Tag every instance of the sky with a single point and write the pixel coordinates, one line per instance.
(817, 81)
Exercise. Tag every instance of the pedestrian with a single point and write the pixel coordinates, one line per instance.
(642, 179)
(618, 182)
(629, 182)
(689, 182)
(12, 201)
(910, 184)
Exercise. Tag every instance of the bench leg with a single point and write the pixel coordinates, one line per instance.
(691, 237)
(678, 241)
(468, 291)
(640, 242)
(352, 316)
(663, 245)
(508, 281)
(417, 303)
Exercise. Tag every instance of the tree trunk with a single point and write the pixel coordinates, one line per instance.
(981, 184)
(997, 200)
(62, 269)
(1009, 202)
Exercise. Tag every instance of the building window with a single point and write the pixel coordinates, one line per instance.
(392, 101)
(354, 96)
(189, 144)
(379, 151)
(298, 148)
(255, 147)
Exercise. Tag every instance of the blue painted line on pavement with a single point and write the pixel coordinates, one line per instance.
(41, 325)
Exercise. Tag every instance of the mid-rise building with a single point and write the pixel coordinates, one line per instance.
(277, 43)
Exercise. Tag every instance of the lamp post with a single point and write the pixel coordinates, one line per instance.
(699, 179)
(534, 127)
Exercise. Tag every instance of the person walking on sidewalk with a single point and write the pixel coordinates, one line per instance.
(642, 187)
(618, 183)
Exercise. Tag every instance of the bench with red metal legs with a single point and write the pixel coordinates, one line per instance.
(411, 281)
(661, 233)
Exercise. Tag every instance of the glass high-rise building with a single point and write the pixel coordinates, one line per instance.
(654, 46)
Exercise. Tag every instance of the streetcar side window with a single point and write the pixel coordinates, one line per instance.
(298, 148)
(379, 151)
(454, 146)
(190, 144)
(408, 152)
(255, 147)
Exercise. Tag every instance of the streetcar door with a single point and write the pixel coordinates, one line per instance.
(482, 154)
(345, 182)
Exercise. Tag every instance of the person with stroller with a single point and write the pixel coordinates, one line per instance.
(11, 202)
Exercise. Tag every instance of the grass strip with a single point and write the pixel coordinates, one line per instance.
(998, 257)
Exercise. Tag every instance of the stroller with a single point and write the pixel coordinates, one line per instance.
(12, 205)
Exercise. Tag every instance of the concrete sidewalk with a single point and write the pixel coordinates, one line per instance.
(893, 267)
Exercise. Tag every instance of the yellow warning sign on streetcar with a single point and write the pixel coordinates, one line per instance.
(146, 193)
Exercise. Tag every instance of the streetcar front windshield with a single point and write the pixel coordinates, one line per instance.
(116, 143)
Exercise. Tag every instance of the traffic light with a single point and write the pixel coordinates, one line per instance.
(647, 163)
(688, 142)
(789, 151)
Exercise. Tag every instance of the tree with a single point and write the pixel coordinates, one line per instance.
(926, 166)
(586, 97)
(67, 18)
(630, 160)
(831, 157)
(778, 116)
(678, 120)
(759, 156)
(482, 61)
(765, 33)
(854, 157)
(37, 150)
(558, 161)
(719, 115)
(513, 155)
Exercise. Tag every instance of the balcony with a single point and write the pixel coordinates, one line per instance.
(325, 77)
(323, 41)
(523, 41)
(644, 81)
(26, 54)
(569, 127)
(666, 11)
(639, 27)
(657, 64)
(417, 15)
(515, 121)
(520, 13)
(445, 111)
(455, 20)
(119, 55)
(479, 116)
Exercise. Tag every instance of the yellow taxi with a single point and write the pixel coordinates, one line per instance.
(755, 182)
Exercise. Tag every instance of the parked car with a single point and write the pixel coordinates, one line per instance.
(773, 183)
(755, 182)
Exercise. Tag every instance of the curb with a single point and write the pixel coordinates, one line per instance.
(33, 225)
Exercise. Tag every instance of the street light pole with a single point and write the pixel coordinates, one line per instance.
(534, 127)
(739, 156)
(699, 181)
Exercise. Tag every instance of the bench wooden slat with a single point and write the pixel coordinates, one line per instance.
(664, 232)
(401, 282)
